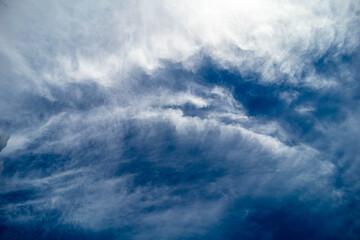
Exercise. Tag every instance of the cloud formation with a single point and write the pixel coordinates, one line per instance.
(179, 120)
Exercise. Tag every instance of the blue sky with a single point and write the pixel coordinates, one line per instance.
(179, 119)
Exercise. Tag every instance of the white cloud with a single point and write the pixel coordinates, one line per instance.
(53, 45)
(102, 41)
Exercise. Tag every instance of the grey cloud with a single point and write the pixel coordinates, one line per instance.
(3, 141)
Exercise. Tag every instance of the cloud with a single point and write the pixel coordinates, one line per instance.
(3, 141)
(282, 40)
(161, 119)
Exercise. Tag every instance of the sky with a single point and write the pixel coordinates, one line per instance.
(188, 120)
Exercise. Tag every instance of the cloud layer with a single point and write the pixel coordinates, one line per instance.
(179, 120)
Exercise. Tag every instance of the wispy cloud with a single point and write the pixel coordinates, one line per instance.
(191, 119)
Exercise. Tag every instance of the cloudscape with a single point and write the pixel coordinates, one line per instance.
(191, 119)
